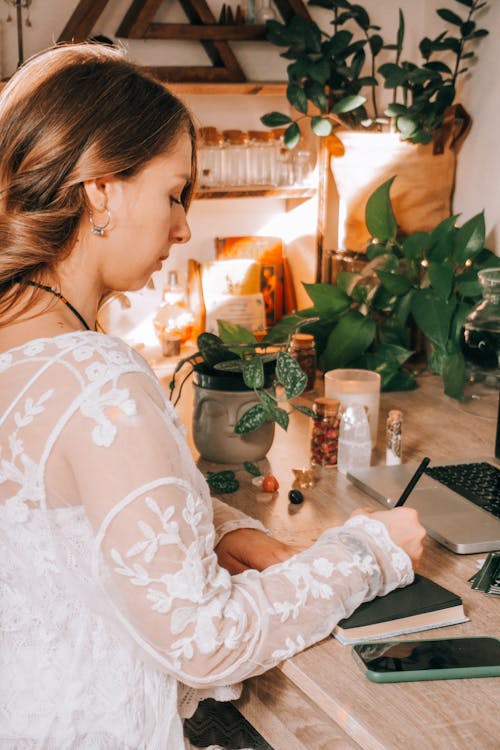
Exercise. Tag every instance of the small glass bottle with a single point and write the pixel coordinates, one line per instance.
(303, 349)
(264, 11)
(325, 432)
(355, 445)
(393, 437)
(173, 323)
(234, 161)
(210, 157)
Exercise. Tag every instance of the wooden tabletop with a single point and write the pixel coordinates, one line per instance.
(319, 699)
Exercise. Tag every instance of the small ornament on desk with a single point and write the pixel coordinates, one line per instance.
(173, 323)
(304, 478)
(393, 454)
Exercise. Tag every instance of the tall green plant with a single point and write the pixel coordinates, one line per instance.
(331, 70)
(430, 278)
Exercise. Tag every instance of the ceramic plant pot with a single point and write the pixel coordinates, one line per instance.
(220, 400)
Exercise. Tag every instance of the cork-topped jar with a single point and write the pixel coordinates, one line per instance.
(325, 432)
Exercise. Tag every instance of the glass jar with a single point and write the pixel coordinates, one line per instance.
(261, 158)
(325, 432)
(210, 145)
(235, 159)
(303, 349)
(173, 323)
(264, 11)
(481, 345)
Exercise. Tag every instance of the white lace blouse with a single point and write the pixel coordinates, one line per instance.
(111, 595)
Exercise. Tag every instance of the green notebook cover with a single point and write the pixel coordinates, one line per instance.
(422, 605)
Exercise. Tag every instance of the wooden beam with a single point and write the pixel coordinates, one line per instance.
(199, 32)
(137, 18)
(82, 21)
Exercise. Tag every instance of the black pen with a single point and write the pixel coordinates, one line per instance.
(411, 484)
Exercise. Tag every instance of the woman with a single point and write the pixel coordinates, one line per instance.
(122, 580)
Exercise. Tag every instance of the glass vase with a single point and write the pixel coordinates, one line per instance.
(481, 347)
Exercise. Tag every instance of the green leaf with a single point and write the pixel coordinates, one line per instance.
(395, 283)
(275, 119)
(401, 32)
(253, 374)
(292, 136)
(379, 215)
(232, 333)
(395, 109)
(281, 417)
(321, 126)
(290, 375)
(441, 239)
(454, 375)
(327, 298)
(458, 322)
(399, 381)
(469, 288)
(297, 98)
(348, 104)
(407, 125)
(352, 335)
(469, 239)
(251, 420)
(222, 482)
(252, 468)
(441, 278)
(213, 349)
(448, 15)
(346, 280)
(416, 245)
(304, 410)
(433, 315)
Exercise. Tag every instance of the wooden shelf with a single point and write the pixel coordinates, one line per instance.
(249, 191)
(213, 32)
(252, 88)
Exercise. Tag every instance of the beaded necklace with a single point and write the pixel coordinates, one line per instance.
(63, 299)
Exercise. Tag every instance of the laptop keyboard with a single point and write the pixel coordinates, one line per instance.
(479, 483)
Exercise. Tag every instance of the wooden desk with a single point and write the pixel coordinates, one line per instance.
(319, 699)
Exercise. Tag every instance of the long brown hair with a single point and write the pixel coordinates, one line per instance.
(72, 113)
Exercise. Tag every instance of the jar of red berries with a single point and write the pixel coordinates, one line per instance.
(325, 432)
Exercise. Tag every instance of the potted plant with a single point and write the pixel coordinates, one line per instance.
(334, 83)
(428, 278)
(242, 387)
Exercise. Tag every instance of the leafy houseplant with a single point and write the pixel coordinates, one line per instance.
(237, 352)
(330, 71)
(363, 320)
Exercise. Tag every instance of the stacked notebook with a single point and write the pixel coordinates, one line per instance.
(420, 606)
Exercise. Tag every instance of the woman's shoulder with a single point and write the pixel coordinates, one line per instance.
(85, 356)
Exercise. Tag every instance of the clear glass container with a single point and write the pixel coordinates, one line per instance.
(261, 158)
(355, 444)
(210, 146)
(325, 432)
(481, 347)
(235, 158)
(264, 11)
(303, 350)
(173, 323)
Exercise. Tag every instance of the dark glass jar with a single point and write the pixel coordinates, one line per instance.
(325, 432)
(303, 349)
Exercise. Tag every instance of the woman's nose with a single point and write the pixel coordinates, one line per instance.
(180, 231)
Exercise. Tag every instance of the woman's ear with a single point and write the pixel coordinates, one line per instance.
(97, 193)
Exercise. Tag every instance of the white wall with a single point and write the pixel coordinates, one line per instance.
(479, 160)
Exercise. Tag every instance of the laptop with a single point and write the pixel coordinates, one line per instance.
(456, 508)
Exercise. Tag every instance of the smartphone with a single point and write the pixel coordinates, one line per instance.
(440, 659)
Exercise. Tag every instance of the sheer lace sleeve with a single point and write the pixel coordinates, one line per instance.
(228, 519)
(154, 548)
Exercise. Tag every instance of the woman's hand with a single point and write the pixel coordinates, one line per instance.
(404, 529)
(243, 549)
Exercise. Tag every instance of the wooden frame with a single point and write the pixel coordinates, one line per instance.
(203, 27)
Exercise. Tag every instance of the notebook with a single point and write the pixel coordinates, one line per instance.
(449, 516)
(420, 606)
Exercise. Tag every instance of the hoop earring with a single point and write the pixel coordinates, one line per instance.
(99, 231)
